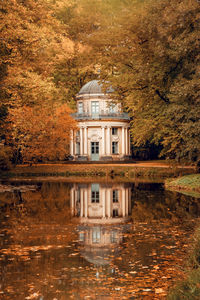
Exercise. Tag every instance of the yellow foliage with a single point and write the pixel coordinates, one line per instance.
(34, 42)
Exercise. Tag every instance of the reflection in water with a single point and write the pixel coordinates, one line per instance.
(98, 206)
(98, 203)
(85, 241)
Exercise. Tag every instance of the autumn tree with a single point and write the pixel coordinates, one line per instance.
(150, 53)
(42, 133)
(81, 19)
(33, 41)
(154, 51)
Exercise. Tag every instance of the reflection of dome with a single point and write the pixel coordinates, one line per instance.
(98, 256)
(94, 87)
(100, 244)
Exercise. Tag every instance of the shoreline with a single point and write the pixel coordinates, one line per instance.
(186, 183)
(160, 170)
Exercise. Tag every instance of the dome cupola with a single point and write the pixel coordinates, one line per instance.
(93, 89)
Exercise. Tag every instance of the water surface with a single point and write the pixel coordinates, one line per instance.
(92, 240)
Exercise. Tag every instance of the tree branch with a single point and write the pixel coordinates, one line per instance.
(162, 97)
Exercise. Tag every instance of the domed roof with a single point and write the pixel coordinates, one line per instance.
(93, 88)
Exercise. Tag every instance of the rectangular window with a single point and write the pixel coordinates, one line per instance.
(95, 193)
(81, 237)
(80, 107)
(113, 237)
(115, 213)
(95, 107)
(114, 147)
(96, 235)
(95, 147)
(115, 196)
(114, 130)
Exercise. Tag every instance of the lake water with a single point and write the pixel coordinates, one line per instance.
(92, 240)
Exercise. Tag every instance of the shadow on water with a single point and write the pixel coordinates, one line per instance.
(92, 240)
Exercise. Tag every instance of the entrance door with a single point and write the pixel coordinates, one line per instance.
(94, 150)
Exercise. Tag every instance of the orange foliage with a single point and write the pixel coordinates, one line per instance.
(42, 132)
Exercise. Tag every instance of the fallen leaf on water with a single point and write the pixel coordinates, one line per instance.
(32, 296)
(132, 272)
(73, 254)
(159, 291)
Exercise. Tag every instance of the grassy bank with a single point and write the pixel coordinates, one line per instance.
(189, 286)
(96, 171)
(185, 183)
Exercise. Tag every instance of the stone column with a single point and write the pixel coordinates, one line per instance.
(129, 139)
(126, 140)
(103, 140)
(76, 198)
(104, 203)
(81, 200)
(81, 141)
(85, 141)
(72, 201)
(108, 141)
(123, 203)
(71, 142)
(123, 141)
(127, 202)
(86, 202)
(108, 203)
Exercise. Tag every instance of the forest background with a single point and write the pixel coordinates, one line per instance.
(148, 50)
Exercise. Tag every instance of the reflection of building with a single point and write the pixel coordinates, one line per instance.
(103, 211)
(100, 244)
(103, 126)
(100, 203)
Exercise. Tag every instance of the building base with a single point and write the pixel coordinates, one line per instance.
(105, 158)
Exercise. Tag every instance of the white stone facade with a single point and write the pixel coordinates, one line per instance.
(101, 204)
(104, 132)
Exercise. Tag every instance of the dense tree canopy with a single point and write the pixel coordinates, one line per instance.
(33, 42)
(156, 54)
(148, 50)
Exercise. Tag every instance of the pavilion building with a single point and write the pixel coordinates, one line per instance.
(104, 129)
